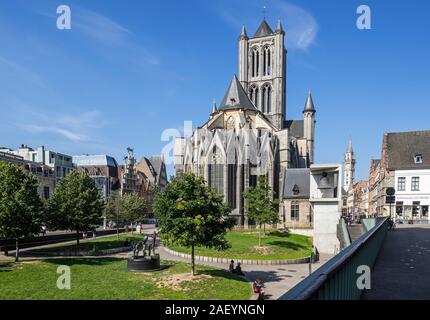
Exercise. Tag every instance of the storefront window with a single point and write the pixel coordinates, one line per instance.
(399, 208)
(425, 211)
(416, 209)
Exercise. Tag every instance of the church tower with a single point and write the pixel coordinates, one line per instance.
(262, 70)
(349, 168)
(309, 127)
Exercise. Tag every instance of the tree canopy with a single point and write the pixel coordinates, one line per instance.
(76, 204)
(261, 207)
(191, 214)
(21, 209)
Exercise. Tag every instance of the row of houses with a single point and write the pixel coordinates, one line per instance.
(109, 176)
(405, 166)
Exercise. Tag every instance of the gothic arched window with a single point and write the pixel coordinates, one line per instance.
(253, 95)
(266, 98)
(255, 62)
(267, 61)
(216, 172)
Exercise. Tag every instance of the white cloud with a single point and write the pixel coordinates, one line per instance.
(76, 128)
(300, 25)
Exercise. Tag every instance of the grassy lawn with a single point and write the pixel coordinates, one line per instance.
(244, 245)
(107, 279)
(96, 244)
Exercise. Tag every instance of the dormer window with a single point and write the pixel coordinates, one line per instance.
(296, 190)
(418, 158)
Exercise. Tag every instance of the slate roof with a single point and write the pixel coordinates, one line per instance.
(402, 147)
(95, 160)
(309, 105)
(236, 97)
(295, 127)
(297, 183)
(263, 30)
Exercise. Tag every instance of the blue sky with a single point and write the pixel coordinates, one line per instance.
(130, 69)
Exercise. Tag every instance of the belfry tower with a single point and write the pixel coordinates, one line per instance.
(262, 70)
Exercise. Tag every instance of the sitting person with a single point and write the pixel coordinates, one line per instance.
(238, 270)
(258, 288)
(231, 266)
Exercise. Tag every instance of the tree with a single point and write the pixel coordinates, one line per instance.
(113, 211)
(131, 207)
(191, 214)
(21, 209)
(260, 205)
(75, 204)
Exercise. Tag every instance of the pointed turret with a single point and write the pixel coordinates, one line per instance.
(309, 105)
(214, 108)
(350, 149)
(236, 97)
(279, 28)
(263, 30)
(243, 34)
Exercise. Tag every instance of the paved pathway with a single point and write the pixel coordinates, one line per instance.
(402, 270)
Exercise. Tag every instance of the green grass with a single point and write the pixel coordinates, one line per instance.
(244, 245)
(98, 244)
(107, 279)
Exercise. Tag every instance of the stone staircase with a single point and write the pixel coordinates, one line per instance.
(355, 231)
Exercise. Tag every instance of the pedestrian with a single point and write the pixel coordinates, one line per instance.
(231, 266)
(238, 270)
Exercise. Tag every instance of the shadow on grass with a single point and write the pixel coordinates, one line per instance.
(222, 274)
(288, 245)
(6, 266)
(84, 261)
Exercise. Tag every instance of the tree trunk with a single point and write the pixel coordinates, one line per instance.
(77, 238)
(259, 237)
(6, 251)
(16, 250)
(117, 232)
(193, 265)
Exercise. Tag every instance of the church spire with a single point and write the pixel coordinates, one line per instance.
(243, 34)
(279, 28)
(214, 108)
(309, 105)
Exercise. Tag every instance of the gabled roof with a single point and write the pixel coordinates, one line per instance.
(402, 147)
(297, 184)
(295, 128)
(236, 97)
(263, 30)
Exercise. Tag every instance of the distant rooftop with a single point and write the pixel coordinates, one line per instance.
(95, 160)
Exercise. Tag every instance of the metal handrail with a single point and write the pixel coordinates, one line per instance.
(309, 287)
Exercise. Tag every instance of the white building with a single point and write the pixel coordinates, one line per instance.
(326, 199)
(62, 164)
(407, 159)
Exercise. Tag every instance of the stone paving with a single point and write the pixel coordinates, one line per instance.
(402, 270)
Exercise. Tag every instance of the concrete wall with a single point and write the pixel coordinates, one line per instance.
(326, 219)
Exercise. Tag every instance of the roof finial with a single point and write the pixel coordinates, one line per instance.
(264, 12)
(214, 108)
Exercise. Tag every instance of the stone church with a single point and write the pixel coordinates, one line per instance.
(248, 133)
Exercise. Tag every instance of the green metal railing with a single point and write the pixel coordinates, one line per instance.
(337, 278)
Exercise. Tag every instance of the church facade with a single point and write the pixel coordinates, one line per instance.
(248, 133)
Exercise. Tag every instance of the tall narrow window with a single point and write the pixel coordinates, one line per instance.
(415, 184)
(264, 99)
(257, 64)
(266, 61)
(216, 173)
(269, 99)
(231, 196)
(269, 64)
(401, 184)
(295, 211)
(253, 63)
